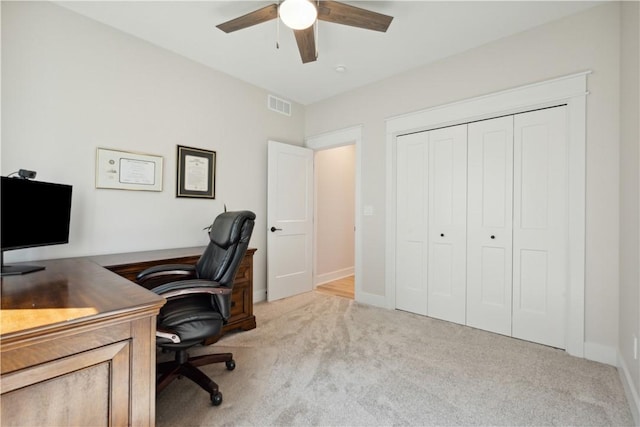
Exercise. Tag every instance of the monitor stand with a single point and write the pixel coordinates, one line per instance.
(14, 270)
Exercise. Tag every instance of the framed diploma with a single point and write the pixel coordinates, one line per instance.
(125, 170)
(196, 173)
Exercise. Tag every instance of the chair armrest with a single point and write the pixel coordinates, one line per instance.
(190, 287)
(167, 270)
(220, 295)
(166, 334)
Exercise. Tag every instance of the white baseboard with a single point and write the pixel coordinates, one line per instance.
(259, 295)
(629, 389)
(371, 299)
(334, 275)
(600, 353)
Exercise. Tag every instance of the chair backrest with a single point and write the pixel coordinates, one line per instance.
(229, 238)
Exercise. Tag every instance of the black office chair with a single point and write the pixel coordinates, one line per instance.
(199, 303)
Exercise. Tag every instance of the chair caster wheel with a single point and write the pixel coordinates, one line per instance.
(216, 399)
(231, 365)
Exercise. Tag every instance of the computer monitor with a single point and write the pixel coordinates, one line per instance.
(34, 213)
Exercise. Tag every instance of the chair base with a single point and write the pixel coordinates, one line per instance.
(185, 366)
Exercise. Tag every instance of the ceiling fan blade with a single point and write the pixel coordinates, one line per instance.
(341, 13)
(306, 44)
(259, 16)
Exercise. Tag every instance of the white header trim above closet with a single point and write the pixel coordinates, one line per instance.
(511, 101)
(570, 90)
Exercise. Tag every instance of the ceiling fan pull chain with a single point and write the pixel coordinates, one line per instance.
(317, 26)
(278, 28)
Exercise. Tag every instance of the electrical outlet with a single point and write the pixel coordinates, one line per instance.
(635, 347)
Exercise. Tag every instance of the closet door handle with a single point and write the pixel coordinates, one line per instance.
(273, 229)
(493, 237)
(441, 234)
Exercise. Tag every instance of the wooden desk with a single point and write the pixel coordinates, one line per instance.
(78, 347)
(129, 265)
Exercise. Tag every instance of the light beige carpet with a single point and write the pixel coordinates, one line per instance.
(317, 360)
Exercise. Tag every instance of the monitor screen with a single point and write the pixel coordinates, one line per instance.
(34, 213)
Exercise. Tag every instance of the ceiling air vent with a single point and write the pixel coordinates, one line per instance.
(279, 105)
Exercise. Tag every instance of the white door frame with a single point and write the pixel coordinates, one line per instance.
(339, 138)
(570, 90)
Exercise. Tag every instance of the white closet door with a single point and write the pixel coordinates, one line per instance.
(489, 224)
(447, 224)
(412, 222)
(540, 226)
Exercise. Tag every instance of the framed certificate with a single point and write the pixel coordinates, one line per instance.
(196, 173)
(125, 170)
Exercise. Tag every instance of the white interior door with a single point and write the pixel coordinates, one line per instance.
(540, 226)
(289, 220)
(447, 224)
(412, 222)
(489, 225)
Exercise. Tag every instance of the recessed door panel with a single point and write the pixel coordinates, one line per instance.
(292, 181)
(412, 223)
(411, 288)
(493, 283)
(540, 226)
(534, 176)
(489, 225)
(447, 223)
(533, 291)
(292, 261)
(442, 179)
(441, 272)
(495, 166)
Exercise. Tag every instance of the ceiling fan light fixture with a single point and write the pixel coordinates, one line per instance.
(298, 14)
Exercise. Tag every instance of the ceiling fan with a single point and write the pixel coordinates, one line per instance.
(300, 15)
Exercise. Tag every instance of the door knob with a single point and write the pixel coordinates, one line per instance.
(273, 229)
(493, 237)
(441, 234)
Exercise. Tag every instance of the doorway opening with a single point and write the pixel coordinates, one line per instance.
(334, 224)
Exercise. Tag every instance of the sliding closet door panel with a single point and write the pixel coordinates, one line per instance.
(489, 224)
(447, 224)
(540, 226)
(412, 222)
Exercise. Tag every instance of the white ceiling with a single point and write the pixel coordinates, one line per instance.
(421, 32)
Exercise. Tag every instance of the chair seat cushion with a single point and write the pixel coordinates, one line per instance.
(191, 322)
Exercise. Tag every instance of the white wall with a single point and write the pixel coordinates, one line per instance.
(70, 84)
(586, 41)
(334, 182)
(630, 201)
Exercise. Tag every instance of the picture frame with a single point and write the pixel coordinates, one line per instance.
(128, 170)
(196, 171)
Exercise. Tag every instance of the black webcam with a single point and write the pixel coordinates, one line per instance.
(25, 174)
